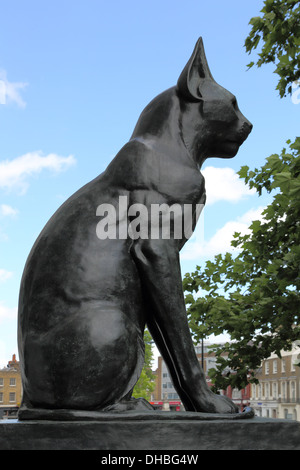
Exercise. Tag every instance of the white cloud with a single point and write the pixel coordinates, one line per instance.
(10, 92)
(7, 313)
(14, 173)
(224, 184)
(251, 215)
(4, 275)
(7, 211)
(220, 242)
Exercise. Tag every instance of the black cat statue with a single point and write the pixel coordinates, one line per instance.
(107, 263)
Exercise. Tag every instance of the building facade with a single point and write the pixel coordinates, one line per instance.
(277, 395)
(166, 397)
(10, 389)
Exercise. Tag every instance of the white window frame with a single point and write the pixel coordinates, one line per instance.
(267, 367)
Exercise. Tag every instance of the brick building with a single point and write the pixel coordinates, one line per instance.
(10, 389)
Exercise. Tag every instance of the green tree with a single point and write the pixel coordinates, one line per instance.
(278, 33)
(146, 384)
(254, 295)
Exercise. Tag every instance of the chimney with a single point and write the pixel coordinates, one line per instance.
(13, 362)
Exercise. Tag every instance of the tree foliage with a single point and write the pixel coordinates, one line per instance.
(278, 33)
(146, 383)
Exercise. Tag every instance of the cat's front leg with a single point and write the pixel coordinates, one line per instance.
(159, 269)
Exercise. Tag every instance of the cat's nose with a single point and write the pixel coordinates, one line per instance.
(245, 130)
(247, 127)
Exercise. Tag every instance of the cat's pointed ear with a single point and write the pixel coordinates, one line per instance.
(193, 74)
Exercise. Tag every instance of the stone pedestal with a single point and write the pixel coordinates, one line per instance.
(151, 434)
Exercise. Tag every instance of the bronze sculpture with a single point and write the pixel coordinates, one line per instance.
(90, 286)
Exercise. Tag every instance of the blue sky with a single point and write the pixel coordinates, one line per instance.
(78, 73)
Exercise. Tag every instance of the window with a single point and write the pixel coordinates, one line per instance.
(236, 394)
(1, 381)
(287, 415)
(295, 361)
(12, 382)
(275, 366)
(211, 363)
(1, 397)
(293, 390)
(12, 397)
(283, 365)
(274, 390)
(267, 367)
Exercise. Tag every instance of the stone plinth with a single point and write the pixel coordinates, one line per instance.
(151, 434)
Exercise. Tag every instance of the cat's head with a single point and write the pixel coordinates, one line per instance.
(212, 124)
